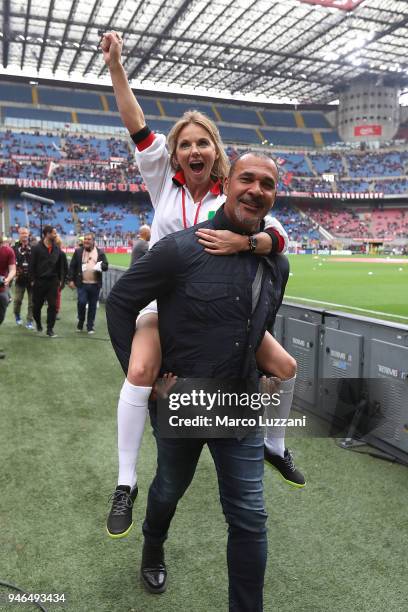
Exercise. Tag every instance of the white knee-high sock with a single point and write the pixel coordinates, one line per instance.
(132, 411)
(275, 436)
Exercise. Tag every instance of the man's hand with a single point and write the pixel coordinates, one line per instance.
(6, 282)
(269, 384)
(222, 242)
(98, 266)
(71, 285)
(111, 45)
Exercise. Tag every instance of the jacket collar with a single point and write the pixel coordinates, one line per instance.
(216, 186)
(221, 221)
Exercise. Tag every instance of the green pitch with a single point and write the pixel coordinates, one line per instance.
(366, 288)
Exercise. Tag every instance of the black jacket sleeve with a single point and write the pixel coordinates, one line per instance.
(73, 267)
(149, 278)
(102, 257)
(64, 268)
(33, 263)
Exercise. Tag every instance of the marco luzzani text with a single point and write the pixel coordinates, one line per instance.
(207, 401)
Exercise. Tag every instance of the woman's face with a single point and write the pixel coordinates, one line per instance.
(195, 154)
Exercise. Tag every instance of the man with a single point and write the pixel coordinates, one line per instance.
(22, 250)
(85, 273)
(46, 272)
(7, 273)
(210, 326)
(141, 244)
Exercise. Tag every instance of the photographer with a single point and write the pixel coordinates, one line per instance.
(22, 250)
(7, 273)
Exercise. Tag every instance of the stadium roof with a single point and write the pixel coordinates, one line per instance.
(289, 50)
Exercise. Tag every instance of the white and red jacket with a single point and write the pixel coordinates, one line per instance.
(174, 208)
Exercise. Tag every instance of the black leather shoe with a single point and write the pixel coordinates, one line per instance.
(153, 571)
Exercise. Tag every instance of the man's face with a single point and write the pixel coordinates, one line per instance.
(88, 243)
(23, 235)
(52, 235)
(250, 191)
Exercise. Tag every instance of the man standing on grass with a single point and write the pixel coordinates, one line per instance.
(7, 273)
(22, 250)
(141, 244)
(85, 273)
(213, 313)
(46, 272)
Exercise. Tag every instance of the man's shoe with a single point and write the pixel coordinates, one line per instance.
(91, 331)
(39, 328)
(18, 320)
(51, 333)
(153, 570)
(80, 327)
(285, 467)
(2, 355)
(119, 521)
(29, 325)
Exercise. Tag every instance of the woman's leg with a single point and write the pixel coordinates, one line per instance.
(143, 369)
(272, 358)
(144, 365)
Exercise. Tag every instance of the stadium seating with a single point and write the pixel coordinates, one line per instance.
(54, 96)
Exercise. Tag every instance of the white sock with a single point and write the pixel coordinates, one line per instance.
(132, 411)
(275, 436)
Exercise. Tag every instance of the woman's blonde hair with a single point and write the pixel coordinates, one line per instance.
(221, 165)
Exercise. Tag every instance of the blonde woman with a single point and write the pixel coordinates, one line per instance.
(184, 177)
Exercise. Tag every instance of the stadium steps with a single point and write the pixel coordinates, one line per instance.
(324, 232)
(310, 165)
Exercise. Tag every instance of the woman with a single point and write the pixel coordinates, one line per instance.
(185, 185)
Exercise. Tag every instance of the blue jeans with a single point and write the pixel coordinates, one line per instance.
(87, 294)
(239, 465)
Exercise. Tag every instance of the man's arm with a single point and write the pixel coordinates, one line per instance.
(11, 274)
(32, 265)
(72, 270)
(105, 263)
(129, 108)
(153, 276)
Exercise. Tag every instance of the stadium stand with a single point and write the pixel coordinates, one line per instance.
(69, 97)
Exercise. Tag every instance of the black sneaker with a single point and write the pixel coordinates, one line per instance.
(2, 355)
(153, 570)
(80, 327)
(119, 521)
(285, 467)
(51, 333)
(39, 328)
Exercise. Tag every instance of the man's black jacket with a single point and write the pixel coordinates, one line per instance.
(207, 328)
(75, 267)
(45, 265)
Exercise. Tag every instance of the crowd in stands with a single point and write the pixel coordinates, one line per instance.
(112, 160)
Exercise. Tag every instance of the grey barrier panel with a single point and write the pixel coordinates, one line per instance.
(342, 354)
(278, 329)
(341, 358)
(388, 387)
(302, 342)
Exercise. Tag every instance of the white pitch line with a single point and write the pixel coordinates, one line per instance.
(378, 312)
